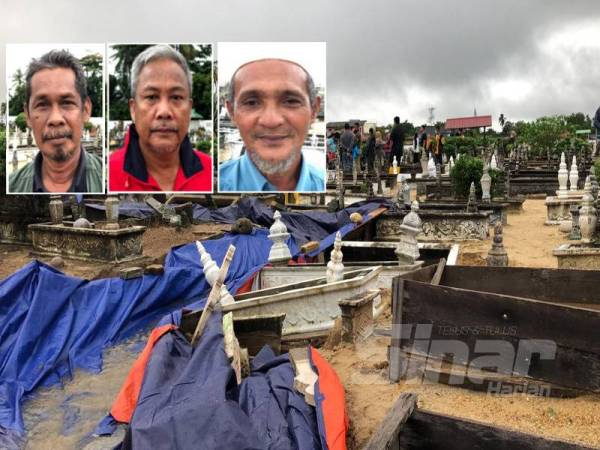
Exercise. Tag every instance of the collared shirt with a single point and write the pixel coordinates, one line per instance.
(78, 184)
(241, 175)
(128, 171)
(347, 140)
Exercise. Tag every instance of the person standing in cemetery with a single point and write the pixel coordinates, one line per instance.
(56, 108)
(397, 137)
(438, 145)
(273, 103)
(379, 152)
(356, 150)
(370, 150)
(332, 149)
(346, 144)
(597, 126)
(157, 154)
(419, 143)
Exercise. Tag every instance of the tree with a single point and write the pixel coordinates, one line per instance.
(501, 121)
(17, 97)
(579, 121)
(21, 122)
(92, 67)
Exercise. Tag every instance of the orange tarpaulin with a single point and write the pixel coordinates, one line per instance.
(124, 405)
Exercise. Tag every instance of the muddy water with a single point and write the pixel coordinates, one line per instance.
(65, 417)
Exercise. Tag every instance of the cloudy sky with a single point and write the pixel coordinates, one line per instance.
(523, 58)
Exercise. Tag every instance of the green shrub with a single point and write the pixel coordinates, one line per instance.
(203, 146)
(466, 170)
(21, 122)
(597, 169)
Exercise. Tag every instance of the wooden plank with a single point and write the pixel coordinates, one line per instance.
(555, 285)
(439, 271)
(386, 436)
(395, 358)
(470, 318)
(434, 370)
(426, 430)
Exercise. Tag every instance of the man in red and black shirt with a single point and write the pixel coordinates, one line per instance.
(158, 155)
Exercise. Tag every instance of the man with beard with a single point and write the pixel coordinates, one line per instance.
(56, 108)
(272, 102)
(157, 154)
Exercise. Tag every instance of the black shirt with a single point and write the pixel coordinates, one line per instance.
(77, 185)
(397, 136)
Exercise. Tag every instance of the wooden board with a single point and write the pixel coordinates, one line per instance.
(472, 317)
(386, 436)
(556, 285)
(425, 430)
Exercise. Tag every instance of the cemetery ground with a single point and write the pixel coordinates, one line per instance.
(528, 242)
(362, 367)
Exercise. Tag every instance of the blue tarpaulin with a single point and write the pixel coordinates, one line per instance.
(304, 226)
(52, 324)
(190, 399)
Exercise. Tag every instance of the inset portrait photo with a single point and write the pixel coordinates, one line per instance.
(55, 134)
(271, 116)
(160, 128)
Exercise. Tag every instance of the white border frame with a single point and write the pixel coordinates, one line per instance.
(212, 120)
(324, 191)
(104, 110)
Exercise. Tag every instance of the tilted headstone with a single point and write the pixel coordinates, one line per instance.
(431, 166)
(211, 272)
(486, 184)
(407, 249)
(280, 253)
(472, 202)
(335, 267)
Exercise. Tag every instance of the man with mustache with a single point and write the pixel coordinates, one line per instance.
(157, 154)
(272, 102)
(56, 108)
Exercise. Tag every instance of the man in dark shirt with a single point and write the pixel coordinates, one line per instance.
(597, 125)
(56, 107)
(370, 151)
(346, 144)
(397, 137)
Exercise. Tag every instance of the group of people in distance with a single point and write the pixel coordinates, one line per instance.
(273, 103)
(376, 149)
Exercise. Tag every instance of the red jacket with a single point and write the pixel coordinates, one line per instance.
(127, 168)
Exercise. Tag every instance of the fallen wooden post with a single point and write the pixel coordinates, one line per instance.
(387, 435)
(214, 296)
(439, 271)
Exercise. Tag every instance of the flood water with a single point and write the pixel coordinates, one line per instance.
(65, 417)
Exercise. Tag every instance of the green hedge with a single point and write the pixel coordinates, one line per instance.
(469, 169)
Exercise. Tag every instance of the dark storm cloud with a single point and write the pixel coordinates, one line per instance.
(384, 57)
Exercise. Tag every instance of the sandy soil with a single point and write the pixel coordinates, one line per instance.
(369, 395)
(363, 370)
(528, 242)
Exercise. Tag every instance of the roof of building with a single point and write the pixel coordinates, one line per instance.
(468, 122)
